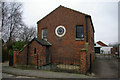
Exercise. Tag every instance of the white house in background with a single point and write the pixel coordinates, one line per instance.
(102, 48)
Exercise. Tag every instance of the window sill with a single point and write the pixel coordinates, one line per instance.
(44, 39)
(79, 39)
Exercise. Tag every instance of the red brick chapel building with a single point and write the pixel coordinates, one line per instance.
(64, 36)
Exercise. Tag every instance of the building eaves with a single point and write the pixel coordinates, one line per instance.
(41, 42)
(63, 7)
(101, 43)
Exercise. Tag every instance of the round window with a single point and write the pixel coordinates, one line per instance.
(60, 31)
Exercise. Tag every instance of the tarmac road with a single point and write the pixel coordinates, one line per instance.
(105, 66)
(5, 75)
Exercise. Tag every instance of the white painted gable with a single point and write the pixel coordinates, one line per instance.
(97, 45)
(106, 49)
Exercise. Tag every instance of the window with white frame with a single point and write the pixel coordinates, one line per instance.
(79, 32)
(44, 34)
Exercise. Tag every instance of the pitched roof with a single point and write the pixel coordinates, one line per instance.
(72, 10)
(63, 7)
(41, 42)
(101, 43)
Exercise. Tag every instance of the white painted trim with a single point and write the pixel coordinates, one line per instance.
(58, 34)
(42, 33)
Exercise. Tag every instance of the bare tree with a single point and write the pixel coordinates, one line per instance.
(28, 33)
(11, 20)
(4, 17)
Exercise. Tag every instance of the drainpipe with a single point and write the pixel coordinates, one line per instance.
(86, 29)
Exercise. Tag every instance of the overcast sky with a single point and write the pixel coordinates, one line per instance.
(104, 14)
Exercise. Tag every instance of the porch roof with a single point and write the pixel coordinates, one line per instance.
(41, 42)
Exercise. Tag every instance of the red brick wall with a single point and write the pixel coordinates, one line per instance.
(83, 65)
(67, 46)
(40, 50)
(21, 57)
(90, 43)
(15, 53)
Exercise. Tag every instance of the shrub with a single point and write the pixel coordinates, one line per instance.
(17, 46)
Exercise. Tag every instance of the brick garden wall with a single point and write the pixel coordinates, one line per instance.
(20, 58)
